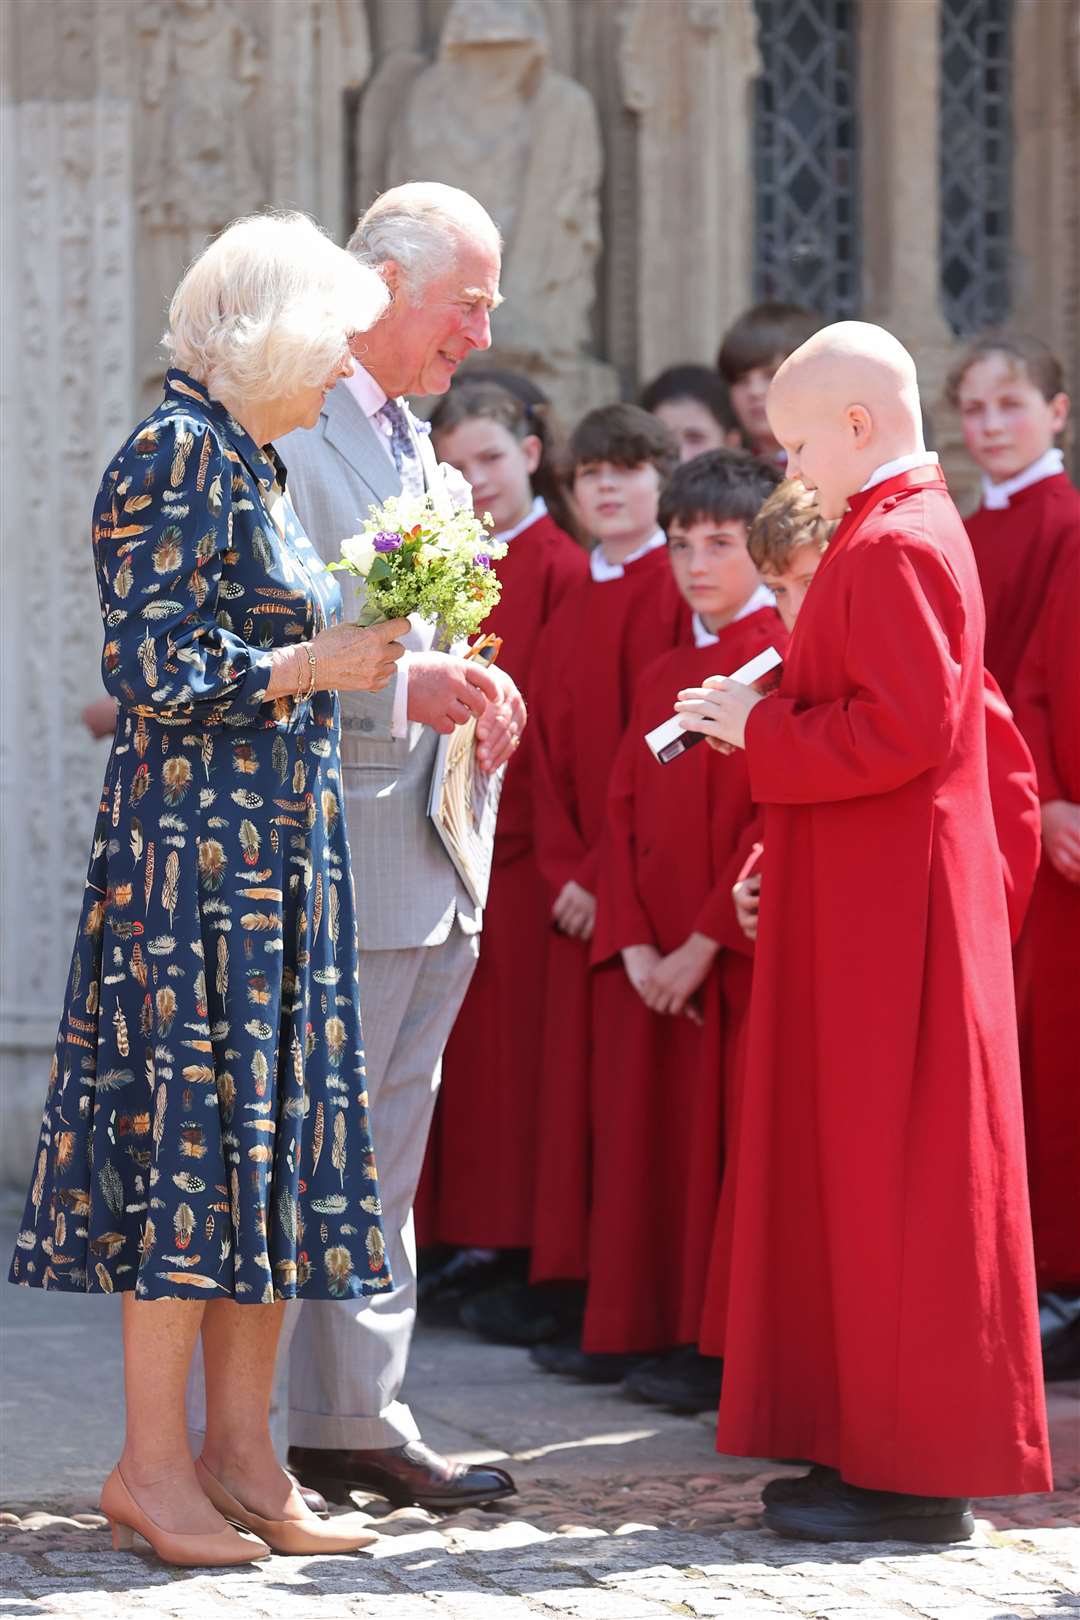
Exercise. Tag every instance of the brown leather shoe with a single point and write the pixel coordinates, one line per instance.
(315, 1503)
(406, 1475)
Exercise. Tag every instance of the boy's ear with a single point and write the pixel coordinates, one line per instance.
(1059, 412)
(860, 426)
(533, 451)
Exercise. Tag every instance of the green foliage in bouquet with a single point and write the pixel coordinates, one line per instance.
(414, 558)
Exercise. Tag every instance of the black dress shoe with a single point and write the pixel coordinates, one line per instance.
(535, 1314)
(682, 1381)
(1059, 1322)
(442, 1291)
(801, 1487)
(832, 1510)
(409, 1475)
(570, 1361)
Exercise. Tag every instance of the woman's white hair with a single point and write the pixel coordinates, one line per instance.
(420, 227)
(269, 307)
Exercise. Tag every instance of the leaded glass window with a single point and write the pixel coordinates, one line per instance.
(975, 127)
(806, 155)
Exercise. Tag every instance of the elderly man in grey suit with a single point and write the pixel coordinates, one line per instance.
(439, 252)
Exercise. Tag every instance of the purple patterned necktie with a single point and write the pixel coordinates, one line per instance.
(406, 459)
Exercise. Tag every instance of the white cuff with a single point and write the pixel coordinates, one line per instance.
(399, 723)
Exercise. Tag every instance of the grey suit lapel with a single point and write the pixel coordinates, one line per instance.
(347, 428)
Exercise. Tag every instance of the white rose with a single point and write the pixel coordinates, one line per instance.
(359, 552)
(457, 487)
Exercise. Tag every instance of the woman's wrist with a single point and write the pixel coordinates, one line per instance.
(289, 673)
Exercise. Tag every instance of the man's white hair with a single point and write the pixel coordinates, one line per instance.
(268, 308)
(421, 227)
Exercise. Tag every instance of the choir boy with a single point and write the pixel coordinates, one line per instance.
(672, 969)
(1048, 958)
(1010, 392)
(881, 1312)
(603, 633)
(752, 348)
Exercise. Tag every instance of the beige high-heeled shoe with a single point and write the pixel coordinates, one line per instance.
(201, 1549)
(346, 1533)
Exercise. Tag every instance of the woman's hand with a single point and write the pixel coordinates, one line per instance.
(349, 659)
(679, 975)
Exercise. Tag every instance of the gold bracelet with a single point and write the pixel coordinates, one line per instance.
(310, 650)
(299, 677)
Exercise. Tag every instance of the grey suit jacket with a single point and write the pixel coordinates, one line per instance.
(408, 892)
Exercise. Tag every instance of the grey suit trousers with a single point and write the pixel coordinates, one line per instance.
(347, 1358)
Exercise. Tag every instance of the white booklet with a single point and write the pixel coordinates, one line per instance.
(669, 740)
(464, 805)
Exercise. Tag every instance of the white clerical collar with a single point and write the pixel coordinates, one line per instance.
(762, 598)
(365, 390)
(901, 464)
(537, 510)
(996, 497)
(602, 570)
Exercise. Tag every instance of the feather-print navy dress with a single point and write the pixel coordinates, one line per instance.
(205, 1131)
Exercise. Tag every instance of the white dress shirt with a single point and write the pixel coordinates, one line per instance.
(538, 509)
(762, 598)
(996, 497)
(602, 571)
(901, 464)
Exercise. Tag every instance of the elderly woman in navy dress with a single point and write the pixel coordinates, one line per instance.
(205, 1149)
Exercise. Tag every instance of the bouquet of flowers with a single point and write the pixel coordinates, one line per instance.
(414, 558)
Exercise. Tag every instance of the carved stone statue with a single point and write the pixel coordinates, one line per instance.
(201, 67)
(492, 116)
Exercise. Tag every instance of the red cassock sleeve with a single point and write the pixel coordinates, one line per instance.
(1048, 687)
(1014, 798)
(904, 626)
(560, 845)
(621, 918)
(717, 919)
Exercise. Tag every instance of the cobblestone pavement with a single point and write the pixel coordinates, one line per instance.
(623, 1513)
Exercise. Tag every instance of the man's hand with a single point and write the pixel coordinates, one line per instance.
(677, 976)
(1061, 837)
(719, 709)
(747, 898)
(445, 691)
(499, 730)
(639, 961)
(574, 912)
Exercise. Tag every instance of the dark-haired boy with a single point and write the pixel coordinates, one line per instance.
(601, 636)
(671, 978)
(753, 348)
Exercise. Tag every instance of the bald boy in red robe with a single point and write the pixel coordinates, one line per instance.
(881, 1316)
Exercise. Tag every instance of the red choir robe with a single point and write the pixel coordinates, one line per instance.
(477, 1187)
(1017, 550)
(881, 1310)
(591, 653)
(1048, 957)
(1014, 802)
(658, 1083)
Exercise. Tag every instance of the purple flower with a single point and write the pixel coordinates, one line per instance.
(481, 560)
(385, 540)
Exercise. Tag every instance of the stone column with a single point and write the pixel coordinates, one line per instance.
(1046, 180)
(900, 62)
(68, 385)
(689, 84)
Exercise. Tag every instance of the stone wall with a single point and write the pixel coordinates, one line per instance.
(133, 128)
